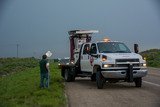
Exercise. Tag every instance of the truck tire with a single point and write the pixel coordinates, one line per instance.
(62, 73)
(73, 73)
(72, 77)
(67, 76)
(138, 82)
(99, 80)
(93, 77)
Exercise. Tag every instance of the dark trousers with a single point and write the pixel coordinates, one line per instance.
(44, 80)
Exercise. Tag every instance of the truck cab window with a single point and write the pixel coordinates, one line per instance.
(86, 49)
(93, 49)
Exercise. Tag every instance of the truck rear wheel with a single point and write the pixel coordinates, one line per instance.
(99, 80)
(67, 76)
(138, 82)
(62, 73)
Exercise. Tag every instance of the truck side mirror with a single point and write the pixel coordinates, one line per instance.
(136, 48)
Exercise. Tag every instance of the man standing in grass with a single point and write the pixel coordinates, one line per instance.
(44, 72)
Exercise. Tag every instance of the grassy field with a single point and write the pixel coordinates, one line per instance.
(12, 65)
(21, 89)
(152, 57)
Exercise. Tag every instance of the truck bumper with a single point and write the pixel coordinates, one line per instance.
(122, 74)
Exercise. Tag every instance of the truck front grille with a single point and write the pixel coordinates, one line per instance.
(126, 62)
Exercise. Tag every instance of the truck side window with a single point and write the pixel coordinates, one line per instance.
(86, 49)
(93, 49)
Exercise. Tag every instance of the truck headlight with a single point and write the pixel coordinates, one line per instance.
(104, 58)
(144, 64)
(107, 65)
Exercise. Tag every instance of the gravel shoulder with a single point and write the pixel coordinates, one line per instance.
(84, 93)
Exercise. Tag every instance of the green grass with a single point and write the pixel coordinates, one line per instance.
(21, 89)
(152, 57)
(10, 65)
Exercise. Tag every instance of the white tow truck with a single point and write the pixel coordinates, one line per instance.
(103, 61)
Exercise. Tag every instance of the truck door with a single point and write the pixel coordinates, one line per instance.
(93, 51)
(85, 58)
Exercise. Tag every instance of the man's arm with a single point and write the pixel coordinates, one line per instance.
(47, 66)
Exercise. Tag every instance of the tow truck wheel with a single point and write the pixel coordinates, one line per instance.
(99, 80)
(93, 77)
(138, 82)
(67, 75)
(73, 77)
(62, 73)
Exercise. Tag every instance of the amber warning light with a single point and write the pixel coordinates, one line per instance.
(106, 40)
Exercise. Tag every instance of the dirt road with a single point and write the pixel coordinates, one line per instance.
(84, 93)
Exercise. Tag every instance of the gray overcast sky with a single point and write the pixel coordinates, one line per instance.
(42, 25)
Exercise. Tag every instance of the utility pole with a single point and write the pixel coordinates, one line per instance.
(17, 50)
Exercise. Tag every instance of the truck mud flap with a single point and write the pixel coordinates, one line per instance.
(130, 73)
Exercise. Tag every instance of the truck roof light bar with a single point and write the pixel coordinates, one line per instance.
(76, 32)
(86, 31)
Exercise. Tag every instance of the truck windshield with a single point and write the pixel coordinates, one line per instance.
(112, 47)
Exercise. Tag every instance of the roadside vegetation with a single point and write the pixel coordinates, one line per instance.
(12, 65)
(152, 57)
(21, 88)
(19, 82)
